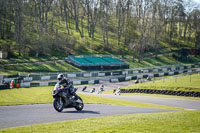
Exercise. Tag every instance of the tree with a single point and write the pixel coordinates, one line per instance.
(122, 7)
(196, 26)
(143, 26)
(18, 24)
(66, 13)
(105, 9)
(156, 25)
(46, 8)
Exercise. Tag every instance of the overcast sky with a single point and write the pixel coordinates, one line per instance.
(198, 1)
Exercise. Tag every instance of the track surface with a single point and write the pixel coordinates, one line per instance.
(22, 115)
(172, 102)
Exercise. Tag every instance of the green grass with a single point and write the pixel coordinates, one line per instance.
(36, 95)
(28, 59)
(168, 122)
(41, 67)
(159, 61)
(185, 83)
(31, 95)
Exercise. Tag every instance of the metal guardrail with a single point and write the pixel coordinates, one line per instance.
(53, 75)
(1, 79)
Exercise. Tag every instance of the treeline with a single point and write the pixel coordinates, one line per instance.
(31, 27)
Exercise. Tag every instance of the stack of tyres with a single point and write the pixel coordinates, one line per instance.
(163, 92)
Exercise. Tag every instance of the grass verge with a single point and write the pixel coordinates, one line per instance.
(43, 67)
(176, 122)
(159, 61)
(184, 83)
(154, 95)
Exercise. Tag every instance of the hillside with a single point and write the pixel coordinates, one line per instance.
(50, 30)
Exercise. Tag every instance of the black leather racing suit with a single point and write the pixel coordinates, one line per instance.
(66, 84)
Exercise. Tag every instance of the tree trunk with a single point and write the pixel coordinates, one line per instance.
(46, 17)
(66, 15)
(18, 25)
(82, 32)
(185, 29)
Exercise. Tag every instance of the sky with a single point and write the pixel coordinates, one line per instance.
(198, 1)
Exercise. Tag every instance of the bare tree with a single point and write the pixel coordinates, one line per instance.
(143, 26)
(66, 12)
(121, 9)
(46, 8)
(196, 26)
(105, 9)
(18, 24)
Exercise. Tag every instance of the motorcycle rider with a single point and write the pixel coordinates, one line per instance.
(65, 83)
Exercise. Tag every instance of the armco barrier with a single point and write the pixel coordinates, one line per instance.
(134, 77)
(107, 73)
(145, 76)
(163, 92)
(4, 86)
(121, 79)
(166, 74)
(44, 83)
(45, 78)
(34, 84)
(158, 69)
(53, 83)
(25, 85)
(26, 79)
(84, 82)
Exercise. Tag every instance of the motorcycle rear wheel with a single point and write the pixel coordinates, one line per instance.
(58, 104)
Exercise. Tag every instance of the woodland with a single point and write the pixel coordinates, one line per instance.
(120, 27)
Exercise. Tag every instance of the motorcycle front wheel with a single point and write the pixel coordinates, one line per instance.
(58, 104)
(79, 106)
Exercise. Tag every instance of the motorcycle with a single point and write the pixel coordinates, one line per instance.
(92, 90)
(117, 92)
(84, 88)
(63, 98)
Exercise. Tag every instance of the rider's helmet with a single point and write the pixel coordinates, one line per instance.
(60, 77)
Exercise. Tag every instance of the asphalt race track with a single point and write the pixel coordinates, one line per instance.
(23, 115)
(172, 102)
